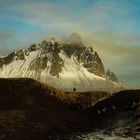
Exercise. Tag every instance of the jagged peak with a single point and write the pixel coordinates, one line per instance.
(51, 40)
(111, 75)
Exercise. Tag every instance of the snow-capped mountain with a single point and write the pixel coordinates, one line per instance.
(64, 65)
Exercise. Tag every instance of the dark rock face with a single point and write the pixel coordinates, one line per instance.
(94, 64)
(87, 56)
(6, 60)
(49, 53)
(111, 76)
(32, 47)
(90, 59)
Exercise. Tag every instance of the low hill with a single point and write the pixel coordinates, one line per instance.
(118, 115)
(31, 110)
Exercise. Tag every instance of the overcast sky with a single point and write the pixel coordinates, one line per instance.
(111, 26)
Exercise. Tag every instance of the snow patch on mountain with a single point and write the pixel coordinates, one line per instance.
(63, 66)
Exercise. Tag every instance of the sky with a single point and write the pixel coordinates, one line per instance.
(112, 27)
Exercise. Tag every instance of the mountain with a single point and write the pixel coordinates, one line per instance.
(64, 65)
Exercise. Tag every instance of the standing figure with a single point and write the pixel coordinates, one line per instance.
(74, 89)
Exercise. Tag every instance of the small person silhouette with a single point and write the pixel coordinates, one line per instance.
(74, 89)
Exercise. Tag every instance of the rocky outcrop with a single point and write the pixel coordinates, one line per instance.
(83, 54)
(111, 76)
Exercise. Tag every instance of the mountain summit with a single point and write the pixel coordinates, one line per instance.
(62, 65)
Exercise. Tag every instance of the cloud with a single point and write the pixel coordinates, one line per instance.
(112, 26)
(70, 15)
(6, 34)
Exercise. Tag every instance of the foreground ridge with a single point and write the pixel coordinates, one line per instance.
(31, 110)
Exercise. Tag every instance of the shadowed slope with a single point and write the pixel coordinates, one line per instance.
(31, 110)
(40, 111)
